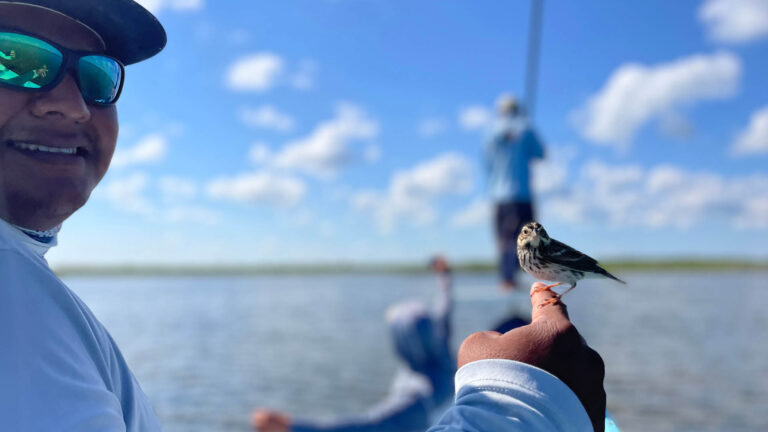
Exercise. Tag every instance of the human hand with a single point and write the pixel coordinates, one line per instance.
(440, 265)
(264, 420)
(549, 342)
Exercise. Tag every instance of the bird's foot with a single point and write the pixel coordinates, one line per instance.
(545, 288)
(553, 300)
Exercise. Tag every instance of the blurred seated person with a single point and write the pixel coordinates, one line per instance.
(423, 387)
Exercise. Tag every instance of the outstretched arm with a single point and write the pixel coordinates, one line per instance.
(444, 299)
(393, 415)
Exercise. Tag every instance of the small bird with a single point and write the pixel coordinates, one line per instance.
(548, 259)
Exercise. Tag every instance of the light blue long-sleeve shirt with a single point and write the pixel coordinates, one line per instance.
(59, 368)
(508, 155)
(505, 395)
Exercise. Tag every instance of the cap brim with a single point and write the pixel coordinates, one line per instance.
(130, 32)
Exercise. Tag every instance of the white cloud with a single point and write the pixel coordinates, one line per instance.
(259, 153)
(267, 117)
(372, 153)
(411, 193)
(446, 174)
(753, 139)
(735, 21)
(550, 174)
(150, 149)
(475, 117)
(304, 77)
(156, 6)
(256, 72)
(755, 213)
(263, 71)
(431, 127)
(662, 196)
(259, 188)
(194, 214)
(131, 193)
(477, 213)
(636, 94)
(327, 149)
(177, 188)
(127, 194)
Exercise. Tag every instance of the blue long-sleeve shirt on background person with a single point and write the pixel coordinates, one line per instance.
(512, 146)
(423, 387)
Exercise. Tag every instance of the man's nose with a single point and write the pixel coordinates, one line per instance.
(65, 102)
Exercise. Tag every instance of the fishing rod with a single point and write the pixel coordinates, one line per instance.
(532, 63)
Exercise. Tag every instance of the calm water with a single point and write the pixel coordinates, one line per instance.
(683, 351)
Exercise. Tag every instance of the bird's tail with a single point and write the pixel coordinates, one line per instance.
(605, 273)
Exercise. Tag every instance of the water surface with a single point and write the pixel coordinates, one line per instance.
(684, 351)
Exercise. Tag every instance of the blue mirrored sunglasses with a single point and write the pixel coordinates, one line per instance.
(33, 64)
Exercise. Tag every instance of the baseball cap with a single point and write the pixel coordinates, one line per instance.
(130, 32)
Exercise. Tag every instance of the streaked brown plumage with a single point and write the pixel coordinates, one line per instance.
(548, 259)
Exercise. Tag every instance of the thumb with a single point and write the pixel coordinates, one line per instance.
(545, 303)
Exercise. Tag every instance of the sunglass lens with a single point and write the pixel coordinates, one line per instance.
(100, 79)
(26, 61)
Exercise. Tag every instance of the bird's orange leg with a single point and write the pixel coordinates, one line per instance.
(557, 297)
(544, 288)
(563, 293)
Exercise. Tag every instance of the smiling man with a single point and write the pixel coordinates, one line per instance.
(61, 72)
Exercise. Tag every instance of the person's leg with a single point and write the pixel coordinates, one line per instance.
(498, 225)
(516, 216)
(508, 245)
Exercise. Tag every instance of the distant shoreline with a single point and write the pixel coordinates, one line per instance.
(382, 268)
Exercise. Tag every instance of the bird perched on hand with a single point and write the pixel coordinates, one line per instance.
(548, 259)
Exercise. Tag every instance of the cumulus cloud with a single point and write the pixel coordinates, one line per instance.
(372, 153)
(131, 194)
(432, 127)
(662, 196)
(259, 188)
(475, 117)
(256, 72)
(304, 77)
(156, 6)
(753, 139)
(735, 21)
(150, 149)
(636, 94)
(193, 214)
(177, 188)
(266, 117)
(412, 193)
(128, 194)
(476, 213)
(327, 149)
(263, 71)
(551, 173)
(259, 153)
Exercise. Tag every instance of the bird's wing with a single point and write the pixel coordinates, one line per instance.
(564, 255)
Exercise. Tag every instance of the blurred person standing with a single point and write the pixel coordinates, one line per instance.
(511, 147)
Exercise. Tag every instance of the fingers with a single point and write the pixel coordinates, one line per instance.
(546, 303)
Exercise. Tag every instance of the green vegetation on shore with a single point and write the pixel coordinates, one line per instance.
(386, 268)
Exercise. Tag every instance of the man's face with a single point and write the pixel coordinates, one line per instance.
(39, 190)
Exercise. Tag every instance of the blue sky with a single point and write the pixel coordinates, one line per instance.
(352, 130)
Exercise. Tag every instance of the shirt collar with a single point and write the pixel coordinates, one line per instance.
(38, 242)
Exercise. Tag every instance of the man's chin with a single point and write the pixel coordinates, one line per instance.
(42, 212)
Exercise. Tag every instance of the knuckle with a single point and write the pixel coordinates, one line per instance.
(595, 358)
